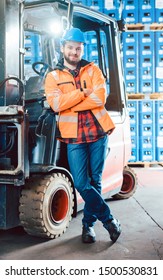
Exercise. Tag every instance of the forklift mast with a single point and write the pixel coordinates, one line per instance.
(12, 117)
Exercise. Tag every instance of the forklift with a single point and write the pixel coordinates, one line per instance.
(37, 190)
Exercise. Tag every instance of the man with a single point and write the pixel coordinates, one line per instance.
(76, 90)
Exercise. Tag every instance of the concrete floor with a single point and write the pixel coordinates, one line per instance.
(142, 230)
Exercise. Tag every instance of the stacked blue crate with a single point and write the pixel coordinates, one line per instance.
(92, 47)
(130, 11)
(133, 109)
(159, 129)
(113, 8)
(146, 62)
(130, 60)
(97, 5)
(147, 130)
(159, 61)
(158, 11)
(146, 11)
(83, 2)
(86, 47)
(32, 49)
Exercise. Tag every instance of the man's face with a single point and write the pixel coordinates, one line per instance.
(72, 52)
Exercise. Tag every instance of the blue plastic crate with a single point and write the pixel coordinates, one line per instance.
(159, 127)
(134, 142)
(146, 61)
(130, 74)
(146, 16)
(146, 86)
(147, 118)
(112, 4)
(92, 49)
(130, 16)
(33, 51)
(130, 61)
(159, 85)
(159, 15)
(133, 118)
(147, 142)
(83, 2)
(159, 40)
(146, 11)
(159, 61)
(159, 121)
(130, 38)
(130, 64)
(130, 4)
(30, 60)
(146, 130)
(133, 130)
(91, 38)
(146, 46)
(132, 106)
(31, 38)
(147, 154)
(146, 74)
(97, 5)
(146, 106)
(146, 127)
(133, 109)
(131, 86)
(146, 38)
(112, 13)
(130, 49)
(130, 43)
(147, 148)
(130, 11)
(159, 130)
(113, 9)
(159, 106)
(159, 154)
(159, 118)
(32, 43)
(134, 155)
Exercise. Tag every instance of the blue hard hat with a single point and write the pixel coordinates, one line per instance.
(73, 34)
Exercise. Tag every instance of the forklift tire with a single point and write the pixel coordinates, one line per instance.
(129, 184)
(46, 205)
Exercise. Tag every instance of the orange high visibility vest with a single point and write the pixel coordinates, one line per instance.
(71, 100)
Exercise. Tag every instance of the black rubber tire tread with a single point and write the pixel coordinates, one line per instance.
(32, 206)
(122, 195)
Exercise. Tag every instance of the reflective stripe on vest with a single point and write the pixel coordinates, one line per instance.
(100, 114)
(96, 99)
(99, 86)
(56, 104)
(55, 75)
(68, 119)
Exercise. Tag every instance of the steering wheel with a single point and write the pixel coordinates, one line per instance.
(43, 69)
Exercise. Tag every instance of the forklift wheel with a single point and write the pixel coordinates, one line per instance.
(129, 184)
(46, 205)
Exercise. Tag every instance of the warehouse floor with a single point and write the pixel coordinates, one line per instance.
(142, 237)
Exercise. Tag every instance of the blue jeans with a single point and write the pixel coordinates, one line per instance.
(86, 162)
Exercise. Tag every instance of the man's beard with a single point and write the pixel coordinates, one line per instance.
(71, 62)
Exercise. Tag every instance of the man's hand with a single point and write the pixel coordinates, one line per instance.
(87, 91)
